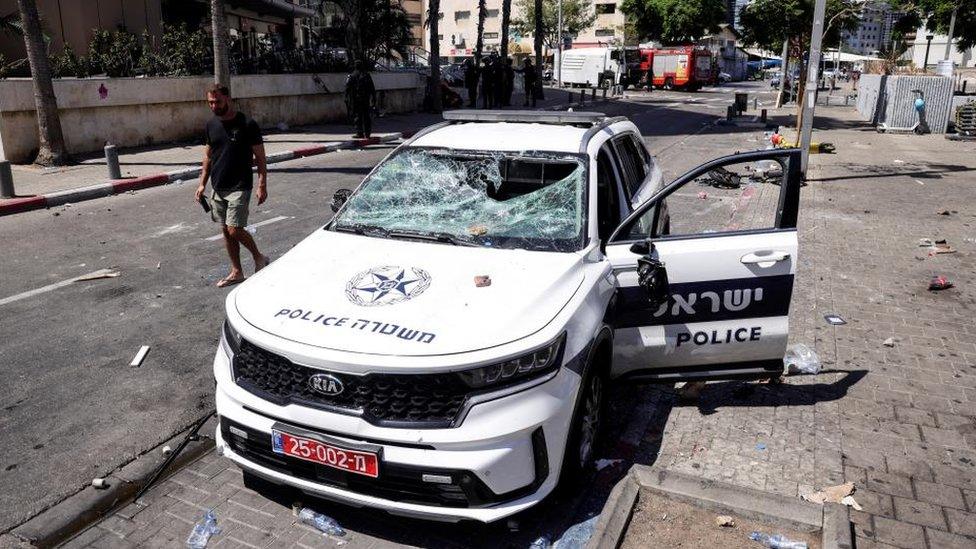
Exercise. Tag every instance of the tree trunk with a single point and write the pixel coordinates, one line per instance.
(51, 150)
(506, 21)
(538, 47)
(480, 43)
(434, 88)
(220, 43)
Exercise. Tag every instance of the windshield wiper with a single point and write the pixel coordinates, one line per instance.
(364, 230)
(446, 238)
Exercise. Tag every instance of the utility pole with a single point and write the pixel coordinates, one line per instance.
(559, 45)
(810, 92)
(783, 66)
(952, 28)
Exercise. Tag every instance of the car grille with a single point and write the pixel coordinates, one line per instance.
(396, 482)
(414, 400)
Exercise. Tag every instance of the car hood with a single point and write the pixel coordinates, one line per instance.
(396, 297)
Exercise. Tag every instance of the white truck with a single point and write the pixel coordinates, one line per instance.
(599, 67)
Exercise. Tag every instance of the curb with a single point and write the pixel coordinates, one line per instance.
(831, 520)
(118, 186)
(77, 512)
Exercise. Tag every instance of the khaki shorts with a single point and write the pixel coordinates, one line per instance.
(230, 208)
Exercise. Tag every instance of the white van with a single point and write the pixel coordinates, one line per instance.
(590, 67)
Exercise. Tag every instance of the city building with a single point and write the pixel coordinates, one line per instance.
(734, 8)
(729, 57)
(873, 33)
(936, 50)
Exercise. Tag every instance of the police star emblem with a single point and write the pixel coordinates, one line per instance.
(387, 285)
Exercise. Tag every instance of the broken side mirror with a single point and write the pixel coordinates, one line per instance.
(339, 198)
(653, 278)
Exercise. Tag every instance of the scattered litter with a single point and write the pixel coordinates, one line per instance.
(831, 494)
(167, 450)
(835, 320)
(725, 521)
(98, 276)
(919, 182)
(541, 542)
(945, 212)
(899, 161)
(890, 342)
(320, 522)
(801, 359)
(159, 264)
(140, 356)
(777, 541)
(202, 531)
(849, 501)
(941, 247)
(760, 446)
(99, 483)
(577, 535)
(939, 282)
(602, 464)
(702, 195)
(482, 281)
(925, 243)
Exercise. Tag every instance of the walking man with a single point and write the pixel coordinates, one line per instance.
(233, 141)
(488, 84)
(508, 71)
(361, 95)
(529, 79)
(471, 72)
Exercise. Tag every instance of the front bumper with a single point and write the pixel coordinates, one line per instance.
(502, 459)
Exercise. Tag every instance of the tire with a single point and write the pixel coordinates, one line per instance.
(585, 429)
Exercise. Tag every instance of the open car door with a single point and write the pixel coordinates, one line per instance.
(705, 270)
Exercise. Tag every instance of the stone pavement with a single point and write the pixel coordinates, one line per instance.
(897, 421)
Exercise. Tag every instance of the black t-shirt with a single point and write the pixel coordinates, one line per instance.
(231, 153)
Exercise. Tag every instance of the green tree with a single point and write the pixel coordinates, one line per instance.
(935, 15)
(375, 29)
(480, 42)
(506, 23)
(674, 21)
(578, 15)
(221, 43)
(766, 23)
(434, 84)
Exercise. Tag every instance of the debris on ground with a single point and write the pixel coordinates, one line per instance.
(140, 356)
(939, 282)
(602, 464)
(691, 391)
(849, 501)
(945, 212)
(702, 195)
(925, 242)
(98, 275)
(776, 541)
(202, 531)
(760, 446)
(835, 320)
(831, 494)
(725, 521)
(167, 450)
(890, 342)
(482, 281)
(541, 542)
(99, 483)
(801, 359)
(577, 535)
(322, 523)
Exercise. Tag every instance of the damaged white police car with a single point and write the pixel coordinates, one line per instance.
(442, 347)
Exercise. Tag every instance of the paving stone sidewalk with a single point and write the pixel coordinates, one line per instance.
(897, 421)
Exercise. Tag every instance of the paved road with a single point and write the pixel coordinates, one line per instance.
(74, 408)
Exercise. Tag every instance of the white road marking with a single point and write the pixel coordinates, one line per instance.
(250, 228)
(55, 286)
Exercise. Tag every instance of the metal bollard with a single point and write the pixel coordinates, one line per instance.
(730, 112)
(6, 180)
(593, 95)
(582, 97)
(755, 103)
(604, 93)
(112, 160)
(762, 116)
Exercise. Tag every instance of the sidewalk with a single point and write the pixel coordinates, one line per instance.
(143, 167)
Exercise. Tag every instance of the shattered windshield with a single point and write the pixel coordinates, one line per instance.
(526, 200)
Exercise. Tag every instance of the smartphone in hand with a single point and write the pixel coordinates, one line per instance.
(205, 204)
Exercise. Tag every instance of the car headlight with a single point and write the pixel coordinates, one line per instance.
(232, 338)
(530, 365)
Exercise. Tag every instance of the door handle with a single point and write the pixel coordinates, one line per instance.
(764, 257)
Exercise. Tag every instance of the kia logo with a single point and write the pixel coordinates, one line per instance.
(326, 384)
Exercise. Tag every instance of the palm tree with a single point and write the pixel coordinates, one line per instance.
(506, 20)
(480, 44)
(538, 45)
(51, 150)
(220, 43)
(434, 88)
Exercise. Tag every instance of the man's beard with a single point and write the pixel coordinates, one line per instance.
(220, 111)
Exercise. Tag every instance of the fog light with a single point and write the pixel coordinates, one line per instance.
(436, 479)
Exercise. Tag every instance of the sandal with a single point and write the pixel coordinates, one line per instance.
(228, 281)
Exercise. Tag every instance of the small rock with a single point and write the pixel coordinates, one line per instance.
(167, 450)
(890, 342)
(724, 521)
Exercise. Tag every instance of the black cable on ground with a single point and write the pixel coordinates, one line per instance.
(192, 435)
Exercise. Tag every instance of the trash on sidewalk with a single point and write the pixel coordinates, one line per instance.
(725, 521)
(801, 359)
(890, 342)
(140, 356)
(167, 450)
(777, 541)
(925, 242)
(98, 276)
(202, 531)
(541, 542)
(941, 247)
(702, 195)
(602, 464)
(99, 483)
(320, 522)
(831, 494)
(576, 536)
(849, 501)
(939, 282)
(835, 320)
(945, 212)
(760, 446)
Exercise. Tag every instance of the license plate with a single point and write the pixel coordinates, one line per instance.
(354, 461)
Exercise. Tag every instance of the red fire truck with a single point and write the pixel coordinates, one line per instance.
(683, 67)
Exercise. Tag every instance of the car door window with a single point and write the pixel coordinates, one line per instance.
(634, 166)
(607, 193)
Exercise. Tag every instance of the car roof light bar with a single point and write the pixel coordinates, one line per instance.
(539, 117)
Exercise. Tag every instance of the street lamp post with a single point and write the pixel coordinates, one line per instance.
(559, 45)
(810, 91)
(952, 28)
(928, 44)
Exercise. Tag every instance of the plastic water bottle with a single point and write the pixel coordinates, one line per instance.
(202, 531)
(777, 541)
(542, 542)
(320, 522)
(801, 359)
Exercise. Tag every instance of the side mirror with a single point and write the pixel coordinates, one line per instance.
(339, 198)
(653, 278)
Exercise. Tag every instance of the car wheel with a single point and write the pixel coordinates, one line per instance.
(668, 84)
(585, 430)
